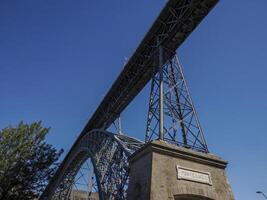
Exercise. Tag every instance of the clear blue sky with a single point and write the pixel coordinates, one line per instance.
(59, 58)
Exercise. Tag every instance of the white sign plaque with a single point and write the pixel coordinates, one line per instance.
(193, 175)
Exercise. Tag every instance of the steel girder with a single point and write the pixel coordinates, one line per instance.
(109, 154)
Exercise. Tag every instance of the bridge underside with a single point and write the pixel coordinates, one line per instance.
(175, 23)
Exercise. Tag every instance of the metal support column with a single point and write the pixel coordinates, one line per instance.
(117, 125)
(161, 94)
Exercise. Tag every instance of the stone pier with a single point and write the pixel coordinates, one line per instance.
(162, 171)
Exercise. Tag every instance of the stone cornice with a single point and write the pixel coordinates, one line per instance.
(164, 148)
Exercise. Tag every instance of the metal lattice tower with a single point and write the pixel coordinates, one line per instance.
(172, 116)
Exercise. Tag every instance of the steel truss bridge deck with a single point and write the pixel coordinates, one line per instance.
(174, 24)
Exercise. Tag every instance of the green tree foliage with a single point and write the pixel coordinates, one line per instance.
(27, 162)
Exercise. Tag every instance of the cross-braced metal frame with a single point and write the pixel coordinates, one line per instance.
(85, 185)
(180, 121)
(109, 155)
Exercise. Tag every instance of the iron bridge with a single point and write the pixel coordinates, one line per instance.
(107, 153)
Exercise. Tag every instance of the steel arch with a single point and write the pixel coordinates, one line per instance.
(109, 154)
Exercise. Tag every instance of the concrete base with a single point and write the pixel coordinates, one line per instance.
(161, 171)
